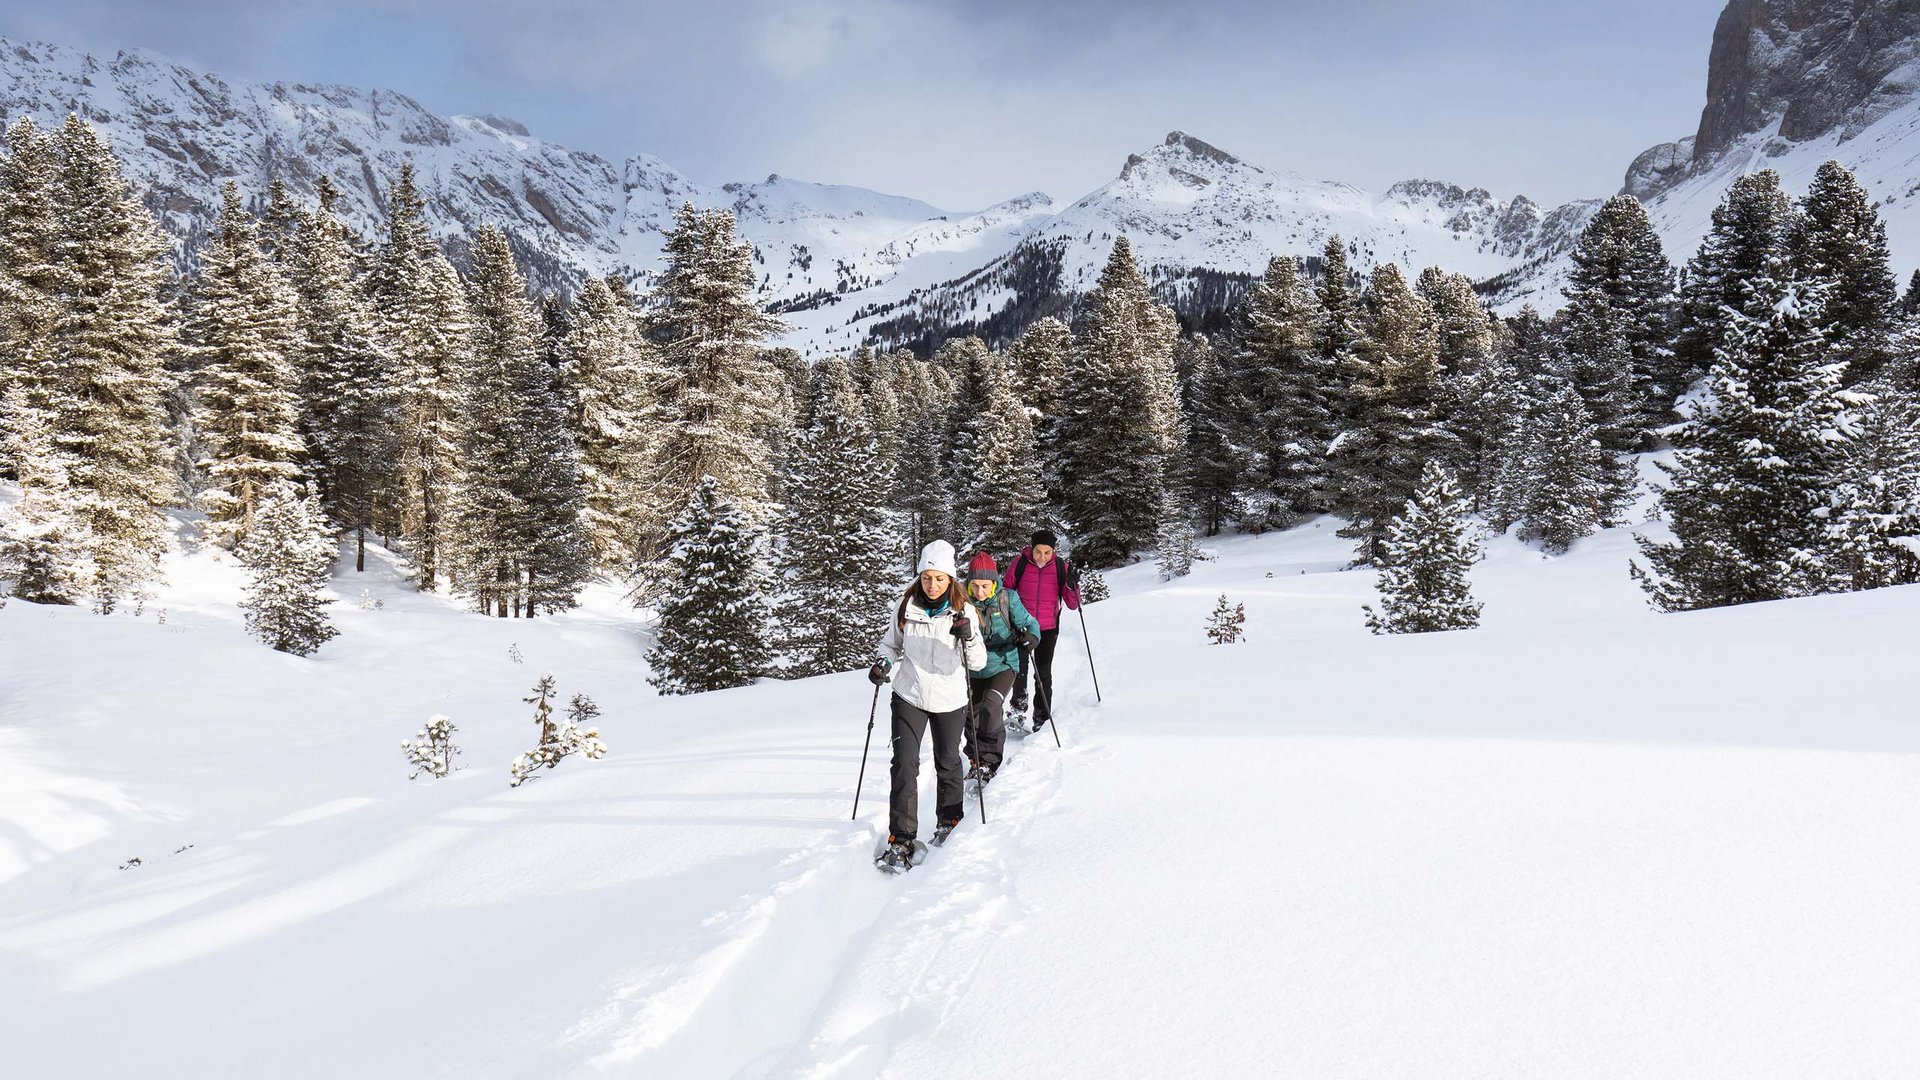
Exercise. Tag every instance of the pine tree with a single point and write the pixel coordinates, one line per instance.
(1599, 364)
(1038, 360)
(1874, 531)
(719, 394)
(1004, 489)
(1218, 460)
(1749, 488)
(1749, 231)
(1465, 332)
(1423, 576)
(1174, 547)
(1227, 625)
(431, 750)
(610, 373)
(242, 334)
(1288, 379)
(920, 484)
(979, 378)
(348, 381)
(838, 559)
(559, 739)
(429, 339)
(1620, 291)
(1570, 493)
(1394, 427)
(1838, 242)
(517, 543)
(109, 343)
(1120, 427)
(289, 554)
(40, 533)
(711, 632)
(29, 276)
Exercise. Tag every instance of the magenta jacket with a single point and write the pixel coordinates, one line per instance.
(1042, 588)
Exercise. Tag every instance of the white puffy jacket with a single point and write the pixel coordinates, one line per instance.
(929, 666)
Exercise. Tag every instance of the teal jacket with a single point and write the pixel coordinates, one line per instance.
(1003, 619)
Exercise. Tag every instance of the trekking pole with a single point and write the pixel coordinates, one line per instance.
(1088, 642)
(1053, 718)
(872, 711)
(973, 740)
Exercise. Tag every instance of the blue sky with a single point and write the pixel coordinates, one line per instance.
(965, 102)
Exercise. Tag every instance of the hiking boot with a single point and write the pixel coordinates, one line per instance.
(899, 856)
(1018, 704)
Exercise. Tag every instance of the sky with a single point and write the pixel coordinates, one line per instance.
(967, 102)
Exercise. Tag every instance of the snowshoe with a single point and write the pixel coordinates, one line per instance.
(944, 830)
(1017, 725)
(900, 856)
(979, 777)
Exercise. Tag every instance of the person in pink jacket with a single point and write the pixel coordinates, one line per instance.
(1047, 585)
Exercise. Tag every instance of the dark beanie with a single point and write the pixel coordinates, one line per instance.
(1046, 537)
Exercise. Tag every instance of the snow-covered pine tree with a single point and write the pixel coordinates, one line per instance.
(1227, 625)
(348, 381)
(712, 629)
(1424, 562)
(109, 343)
(1838, 242)
(431, 751)
(242, 336)
(1910, 300)
(516, 538)
(1394, 428)
(1286, 390)
(719, 394)
(1093, 586)
(40, 533)
(1748, 492)
(1621, 290)
(920, 484)
(559, 739)
(1874, 535)
(29, 277)
(1750, 229)
(289, 554)
(1120, 427)
(1038, 360)
(979, 377)
(1174, 549)
(432, 366)
(1341, 311)
(839, 561)
(1499, 404)
(610, 374)
(1598, 362)
(1218, 459)
(1004, 490)
(1571, 490)
(1465, 332)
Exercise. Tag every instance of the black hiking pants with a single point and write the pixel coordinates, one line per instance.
(987, 740)
(1040, 659)
(909, 725)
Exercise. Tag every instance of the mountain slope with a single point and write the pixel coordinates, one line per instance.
(1254, 860)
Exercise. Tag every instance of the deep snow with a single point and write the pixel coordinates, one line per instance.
(1583, 841)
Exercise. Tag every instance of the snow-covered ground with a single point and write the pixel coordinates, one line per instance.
(1583, 841)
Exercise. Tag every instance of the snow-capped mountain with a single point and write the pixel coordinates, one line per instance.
(842, 263)
(1790, 84)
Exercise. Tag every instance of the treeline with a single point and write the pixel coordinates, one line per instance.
(307, 381)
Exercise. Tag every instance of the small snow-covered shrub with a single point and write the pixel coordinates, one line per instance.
(431, 752)
(558, 739)
(1227, 625)
(1093, 587)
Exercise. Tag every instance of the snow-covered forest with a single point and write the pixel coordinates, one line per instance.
(415, 663)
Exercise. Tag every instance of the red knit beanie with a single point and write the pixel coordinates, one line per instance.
(983, 568)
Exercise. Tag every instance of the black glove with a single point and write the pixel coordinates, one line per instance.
(1073, 577)
(1029, 640)
(962, 628)
(877, 674)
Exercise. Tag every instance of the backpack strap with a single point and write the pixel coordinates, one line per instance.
(1019, 567)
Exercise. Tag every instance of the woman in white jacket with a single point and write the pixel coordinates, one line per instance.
(929, 648)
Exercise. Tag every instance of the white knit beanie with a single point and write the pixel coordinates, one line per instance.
(937, 556)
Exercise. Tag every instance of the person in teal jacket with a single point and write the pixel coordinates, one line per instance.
(1005, 629)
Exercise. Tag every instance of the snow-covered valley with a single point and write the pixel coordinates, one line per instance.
(1584, 840)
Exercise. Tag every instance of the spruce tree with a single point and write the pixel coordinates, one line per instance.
(1423, 569)
(1038, 360)
(432, 366)
(242, 335)
(838, 561)
(109, 342)
(1218, 460)
(1748, 492)
(1004, 492)
(711, 633)
(1288, 380)
(719, 394)
(1599, 364)
(610, 374)
(40, 533)
(1227, 624)
(1394, 427)
(1120, 427)
(1571, 490)
(1749, 232)
(517, 543)
(289, 554)
(349, 385)
(1838, 242)
(29, 276)
(1620, 293)
(1874, 531)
